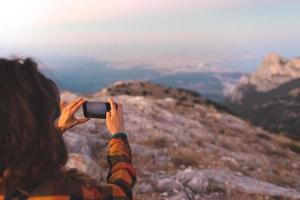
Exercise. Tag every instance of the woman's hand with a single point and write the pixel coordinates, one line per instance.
(67, 119)
(114, 118)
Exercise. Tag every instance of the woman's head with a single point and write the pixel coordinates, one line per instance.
(31, 147)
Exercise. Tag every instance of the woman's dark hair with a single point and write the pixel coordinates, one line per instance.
(31, 147)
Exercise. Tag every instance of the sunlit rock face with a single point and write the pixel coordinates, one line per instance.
(186, 148)
(273, 72)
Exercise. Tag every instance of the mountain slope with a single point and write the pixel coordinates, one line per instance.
(269, 97)
(184, 150)
(277, 110)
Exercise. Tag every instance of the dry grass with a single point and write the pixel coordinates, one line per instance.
(263, 136)
(275, 152)
(287, 143)
(184, 157)
(158, 142)
(292, 146)
(200, 142)
(282, 177)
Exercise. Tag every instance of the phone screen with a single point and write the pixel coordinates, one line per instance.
(95, 109)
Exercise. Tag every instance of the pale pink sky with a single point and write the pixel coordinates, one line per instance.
(149, 28)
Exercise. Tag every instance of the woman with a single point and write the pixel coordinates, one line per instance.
(32, 150)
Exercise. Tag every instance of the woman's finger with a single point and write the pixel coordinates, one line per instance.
(76, 103)
(112, 105)
(72, 103)
(77, 106)
(63, 104)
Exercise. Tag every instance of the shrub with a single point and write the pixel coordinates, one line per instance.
(292, 146)
(263, 136)
(142, 84)
(159, 142)
(274, 152)
(199, 142)
(184, 158)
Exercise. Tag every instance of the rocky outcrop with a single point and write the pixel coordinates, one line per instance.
(189, 151)
(273, 72)
(269, 97)
(209, 184)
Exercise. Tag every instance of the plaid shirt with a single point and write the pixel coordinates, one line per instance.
(120, 180)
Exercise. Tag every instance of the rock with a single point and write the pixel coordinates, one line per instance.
(83, 143)
(167, 185)
(161, 159)
(85, 164)
(194, 180)
(295, 165)
(179, 196)
(139, 150)
(231, 161)
(249, 185)
(144, 188)
(77, 143)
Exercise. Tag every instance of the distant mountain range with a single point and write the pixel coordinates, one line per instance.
(89, 76)
(270, 97)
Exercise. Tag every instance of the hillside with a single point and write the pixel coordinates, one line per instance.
(277, 110)
(269, 97)
(183, 97)
(187, 148)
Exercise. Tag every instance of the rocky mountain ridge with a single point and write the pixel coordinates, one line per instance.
(273, 72)
(270, 96)
(186, 148)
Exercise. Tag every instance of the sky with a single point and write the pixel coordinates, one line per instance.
(164, 32)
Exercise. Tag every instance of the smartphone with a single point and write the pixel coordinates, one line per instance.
(96, 109)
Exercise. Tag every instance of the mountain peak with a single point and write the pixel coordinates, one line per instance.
(273, 64)
(274, 71)
(274, 58)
